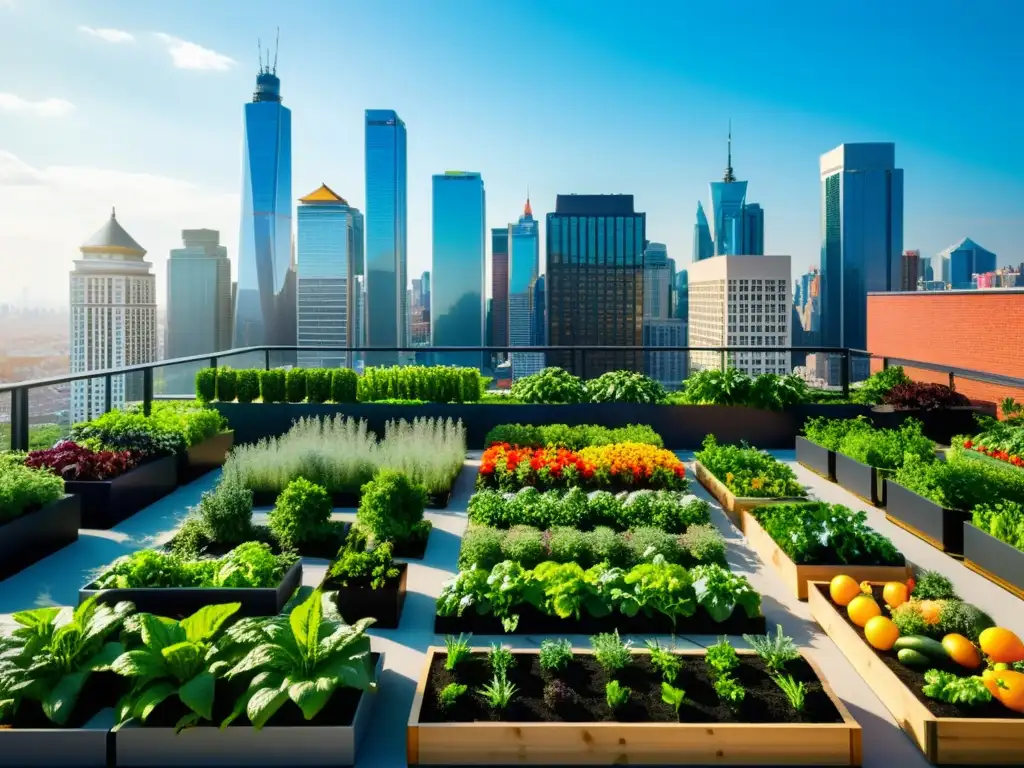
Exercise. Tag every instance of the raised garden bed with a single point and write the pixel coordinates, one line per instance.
(332, 738)
(733, 505)
(989, 734)
(205, 456)
(384, 604)
(796, 577)
(996, 560)
(348, 499)
(84, 747)
(30, 537)
(177, 602)
(816, 458)
(864, 481)
(940, 527)
(105, 503)
(764, 731)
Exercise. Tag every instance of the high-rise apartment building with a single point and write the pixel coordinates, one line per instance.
(523, 271)
(113, 319)
(657, 281)
(198, 305)
(862, 240)
(595, 281)
(909, 270)
(741, 301)
(703, 245)
(326, 280)
(386, 231)
(497, 335)
(458, 309)
(965, 259)
(265, 295)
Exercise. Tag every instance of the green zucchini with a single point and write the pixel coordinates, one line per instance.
(911, 658)
(924, 645)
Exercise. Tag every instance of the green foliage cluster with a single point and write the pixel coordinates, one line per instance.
(435, 384)
(954, 689)
(296, 385)
(954, 614)
(887, 449)
(748, 472)
(878, 385)
(222, 516)
(734, 387)
(391, 508)
(301, 515)
(551, 386)
(171, 427)
(571, 438)
(829, 433)
(24, 490)
(816, 533)
(961, 481)
(357, 567)
(1003, 519)
(671, 511)
(625, 387)
(274, 385)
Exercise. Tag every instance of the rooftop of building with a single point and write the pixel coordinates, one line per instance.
(964, 244)
(948, 292)
(594, 205)
(323, 194)
(112, 238)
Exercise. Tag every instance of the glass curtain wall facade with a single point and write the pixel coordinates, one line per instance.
(703, 246)
(524, 268)
(386, 228)
(458, 301)
(727, 199)
(265, 298)
(753, 230)
(967, 259)
(595, 281)
(862, 243)
(498, 328)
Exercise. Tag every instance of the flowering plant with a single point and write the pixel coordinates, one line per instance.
(75, 462)
(636, 465)
(1001, 440)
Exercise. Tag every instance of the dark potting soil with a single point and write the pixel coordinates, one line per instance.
(584, 701)
(914, 679)
(101, 690)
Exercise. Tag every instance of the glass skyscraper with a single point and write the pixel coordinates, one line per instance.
(862, 242)
(966, 259)
(703, 246)
(498, 327)
(458, 307)
(386, 227)
(727, 199)
(265, 298)
(753, 230)
(523, 271)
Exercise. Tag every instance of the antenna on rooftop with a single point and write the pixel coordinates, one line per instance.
(277, 40)
(259, 54)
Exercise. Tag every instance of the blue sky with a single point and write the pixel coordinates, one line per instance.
(137, 103)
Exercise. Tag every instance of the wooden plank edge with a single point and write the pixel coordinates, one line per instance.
(412, 734)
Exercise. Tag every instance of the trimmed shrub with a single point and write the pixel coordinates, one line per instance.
(318, 385)
(206, 385)
(301, 514)
(391, 506)
(227, 385)
(248, 386)
(344, 383)
(295, 385)
(272, 386)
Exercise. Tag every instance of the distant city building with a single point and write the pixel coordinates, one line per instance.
(681, 305)
(198, 305)
(458, 310)
(862, 241)
(728, 197)
(326, 285)
(966, 258)
(753, 230)
(932, 285)
(113, 319)
(523, 271)
(498, 327)
(540, 313)
(265, 295)
(657, 282)
(805, 323)
(669, 368)
(595, 281)
(386, 231)
(703, 246)
(419, 311)
(358, 317)
(741, 301)
(910, 270)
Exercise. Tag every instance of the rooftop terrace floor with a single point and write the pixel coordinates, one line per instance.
(56, 580)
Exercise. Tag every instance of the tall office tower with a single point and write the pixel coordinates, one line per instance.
(909, 270)
(540, 313)
(703, 246)
(386, 229)
(523, 271)
(497, 335)
(681, 305)
(595, 281)
(753, 230)
(359, 316)
(113, 319)
(660, 328)
(458, 303)
(326, 286)
(741, 301)
(657, 282)
(198, 305)
(727, 200)
(965, 259)
(265, 301)
(862, 239)
(357, 242)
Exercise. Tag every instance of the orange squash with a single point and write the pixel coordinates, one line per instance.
(1001, 645)
(881, 633)
(962, 651)
(842, 589)
(862, 609)
(929, 610)
(1006, 687)
(894, 593)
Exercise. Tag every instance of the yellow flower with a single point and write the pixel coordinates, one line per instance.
(756, 483)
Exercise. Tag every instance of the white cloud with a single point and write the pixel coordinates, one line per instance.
(49, 212)
(188, 55)
(108, 34)
(10, 102)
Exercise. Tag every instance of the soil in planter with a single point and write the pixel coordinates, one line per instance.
(586, 703)
(914, 679)
(102, 690)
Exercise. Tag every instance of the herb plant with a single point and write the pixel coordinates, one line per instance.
(721, 658)
(372, 568)
(450, 694)
(719, 591)
(625, 387)
(555, 654)
(674, 697)
(557, 692)
(829, 433)
(879, 384)
(499, 692)
(301, 515)
(932, 585)
(500, 659)
(23, 490)
(953, 689)
(616, 694)
(610, 652)
(458, 650)
(730, 690)
(392, 506)
(887, 449)
(1004, 520)
(795, 692)
(552, 386)
(664, 660)
(748, 472)
(775, 651)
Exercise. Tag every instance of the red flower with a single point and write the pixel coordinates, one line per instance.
(968, 444)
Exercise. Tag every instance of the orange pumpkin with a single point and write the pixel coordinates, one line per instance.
(962, 651)
(1006, 687)
(862, 609)
(842, 589)
(1001, 645)
(894, 593)
(881, 633)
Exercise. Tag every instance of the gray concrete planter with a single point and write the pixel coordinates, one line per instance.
(32, 536)
(816, 458)
(105, 503)
(242, 747)
(84, 747)
(862, 480)
(210, 454)
(942, 528)
(994, 559)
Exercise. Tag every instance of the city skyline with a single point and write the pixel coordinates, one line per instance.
(177, 172)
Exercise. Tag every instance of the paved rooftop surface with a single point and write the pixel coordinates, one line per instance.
(56, 580)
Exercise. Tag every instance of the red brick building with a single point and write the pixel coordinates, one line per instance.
(979, 330)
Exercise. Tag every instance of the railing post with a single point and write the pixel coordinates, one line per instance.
(147, 391)
(213, 362)
(725, 363)
(885, 363)
(583, 364)
(108, 396)
(952, 380)
(266, 359)
(844, 372)
(19, 419)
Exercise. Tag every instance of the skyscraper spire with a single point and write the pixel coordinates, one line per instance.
(729, 177)
(527, 210)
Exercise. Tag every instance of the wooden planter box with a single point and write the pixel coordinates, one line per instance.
(862, 480)
(613, 743)
(996, 560)
(795, 577)
(201, 458)
(105, 503)
(734, 505)
(32, 536)
(384, 605)
(816, 458)
(942, 528)
(175, 602)
(241, 746)
(943, 740)
(84, 747)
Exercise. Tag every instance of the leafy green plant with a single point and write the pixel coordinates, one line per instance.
(250, 565)
(730, 690)
(1004, 520)
(436, 384)
(273, 388)
(748, 472)
(572, 438)
(372, 568)
(829, 433)
(295, 385)
(962, 481)
(304, 657)
(23, 490)
(721, 658)
(556, 693)
(879, 384)
(130, 431)
(391, 506)
(499, 692)
(610, 651)
(953, 689)
(500, 659)
(932, 585)
(248, 385)
(450, 694)
(550, 386)
(172, 659)
(188, 418)
(301, 514)
(227, 385)
(672, 696)
(318, 385)
(555, 654)
(733, 387)
(719, 591)
(624, 387)
(206, 385)
(775, 651)
(459, 650)
(616, 694)
(223, 515)
(665, 661)
(795, 692)
(887, 449)
(344, 384)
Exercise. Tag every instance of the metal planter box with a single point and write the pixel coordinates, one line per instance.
(84, 747)
(816, 458)
(384, 605)
(29, 538)
(861, 480)
(942, 528)
(201, 458)
(105, 503)
(994, 559)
